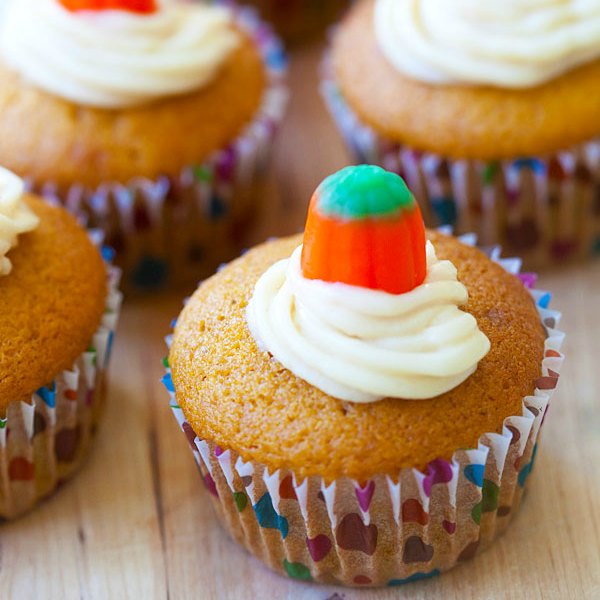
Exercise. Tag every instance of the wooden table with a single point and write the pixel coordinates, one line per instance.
(136, 522)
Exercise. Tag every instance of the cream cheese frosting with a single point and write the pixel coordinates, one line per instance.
(116, 59)
(511, 44)
(15, 216)
(362, 345)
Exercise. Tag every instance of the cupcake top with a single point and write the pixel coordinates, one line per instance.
(513, 44)
(54, 141)
(473, 80)
(52, 299)
(283, 361)
(364, 310)
(15, 216)
(116, 53)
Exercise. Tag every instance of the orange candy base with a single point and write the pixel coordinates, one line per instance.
(386, 254)
(138, 6)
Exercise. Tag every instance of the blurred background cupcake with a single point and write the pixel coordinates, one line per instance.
(299, 20)
(365, 403)
(152, 120)
(59, 312)
(490, 112)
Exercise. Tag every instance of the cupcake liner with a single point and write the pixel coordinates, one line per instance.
(177, 229)
(546, 209)
(45, 437)
(389, 530)
(298, 20)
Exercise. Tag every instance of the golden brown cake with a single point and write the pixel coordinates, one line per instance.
(241, 398)
(299, 21)
(52, 303)
(458, 121)
(51, 139)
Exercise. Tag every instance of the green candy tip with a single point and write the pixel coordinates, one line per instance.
(364, 191)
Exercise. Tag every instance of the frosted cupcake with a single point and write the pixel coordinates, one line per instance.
(364, 403)
(490, 112)
(59, 311)
(131, 114)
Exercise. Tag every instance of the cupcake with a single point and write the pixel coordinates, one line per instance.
(59, 311)
(130, 113)
(489, 112)
(298, 20)
(365, 403)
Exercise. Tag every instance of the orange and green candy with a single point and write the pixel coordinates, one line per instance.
(137, 6)
(365, 229)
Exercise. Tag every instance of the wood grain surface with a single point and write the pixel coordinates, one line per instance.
(136, 522)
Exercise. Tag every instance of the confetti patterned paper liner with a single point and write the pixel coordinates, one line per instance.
(386, 531)
(44, 438)
(175, 230)
(547, 209)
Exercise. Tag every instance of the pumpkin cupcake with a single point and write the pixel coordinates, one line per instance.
(59, 311)
(130, 113)
(364, 403)
(298, 20)
(489, 112)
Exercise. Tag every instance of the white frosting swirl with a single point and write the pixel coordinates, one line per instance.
(116, 59)
(15, 216)
(363, 345)
(512, 43)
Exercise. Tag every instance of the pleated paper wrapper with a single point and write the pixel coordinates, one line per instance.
(545, 209)
(45, 438)
(176, 230)
(389, 530)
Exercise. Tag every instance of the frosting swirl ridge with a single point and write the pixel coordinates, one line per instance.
(116, 59)
(15, 216)
(362, 345)
(512, 44)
